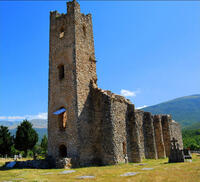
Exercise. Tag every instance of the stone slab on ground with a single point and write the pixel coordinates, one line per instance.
(129, 174)
(142, 164)
(86, 177)
(147, 169)
(67, 172)
(47, 173)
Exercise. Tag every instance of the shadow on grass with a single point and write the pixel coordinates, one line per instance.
(29, 164)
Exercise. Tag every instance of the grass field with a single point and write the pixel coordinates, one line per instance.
(162, 171)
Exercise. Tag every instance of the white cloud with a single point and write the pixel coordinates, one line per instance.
(11, 118)
(142, 107)
(38, 116)
(29, 117)
(128, 93)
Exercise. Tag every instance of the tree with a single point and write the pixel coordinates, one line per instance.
(44, 144)
(26, 137)
(6, 141)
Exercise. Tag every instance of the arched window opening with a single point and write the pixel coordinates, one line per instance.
(124, 148)
(63, 151)
(61, 72)
(61, 35)
(62, 118)
(84, 30)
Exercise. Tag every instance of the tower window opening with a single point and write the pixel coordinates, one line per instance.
(124, 148)
(84, 30)
(61, 35)
(62, 119)
(63, 151)
(61, 71)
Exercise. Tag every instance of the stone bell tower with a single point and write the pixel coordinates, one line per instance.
(72, 67)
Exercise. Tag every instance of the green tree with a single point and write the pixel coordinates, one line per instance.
(191, 139)
(26, 137)
(6, 141)
(44, 144)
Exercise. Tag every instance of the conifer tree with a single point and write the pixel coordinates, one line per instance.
(6, 141)
(26, 137)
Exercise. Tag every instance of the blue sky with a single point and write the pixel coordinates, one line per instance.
(148, 51)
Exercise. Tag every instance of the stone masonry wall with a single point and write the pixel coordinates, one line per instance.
(103, 132)
(159, 136)
(139, 115)
(149, 137)
(133, 136)
(118, 118)
(119, 132)
(62, 93)
(165, 120)
(171, 129)
(85, 73)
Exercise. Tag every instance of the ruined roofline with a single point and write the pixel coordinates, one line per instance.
(111, 95)
(73, 7)
(58, 15)
(158, 115)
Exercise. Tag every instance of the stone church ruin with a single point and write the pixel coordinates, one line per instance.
(88, 125)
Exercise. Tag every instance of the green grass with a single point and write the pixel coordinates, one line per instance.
(162, 172)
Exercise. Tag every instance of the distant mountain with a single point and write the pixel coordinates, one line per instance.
(185, 110)
(40, 125)
(193, 126)
(37, 123)
(9, 123)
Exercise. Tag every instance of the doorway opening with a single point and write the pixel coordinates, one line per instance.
(62, 151)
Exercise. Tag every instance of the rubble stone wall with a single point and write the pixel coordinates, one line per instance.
(159, 136)
(61, 52)
(103, 130)
(138, 117)
(165, 120)
(149, 137)
(118, 119)
(133, 136)
(85, 73)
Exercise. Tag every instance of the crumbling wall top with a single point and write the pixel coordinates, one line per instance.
(73, 7)
(112, 96)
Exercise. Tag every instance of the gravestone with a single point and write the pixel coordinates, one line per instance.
(187, 154)
(126, 159)
(15, 157)
(129, 174)
(176, 155)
